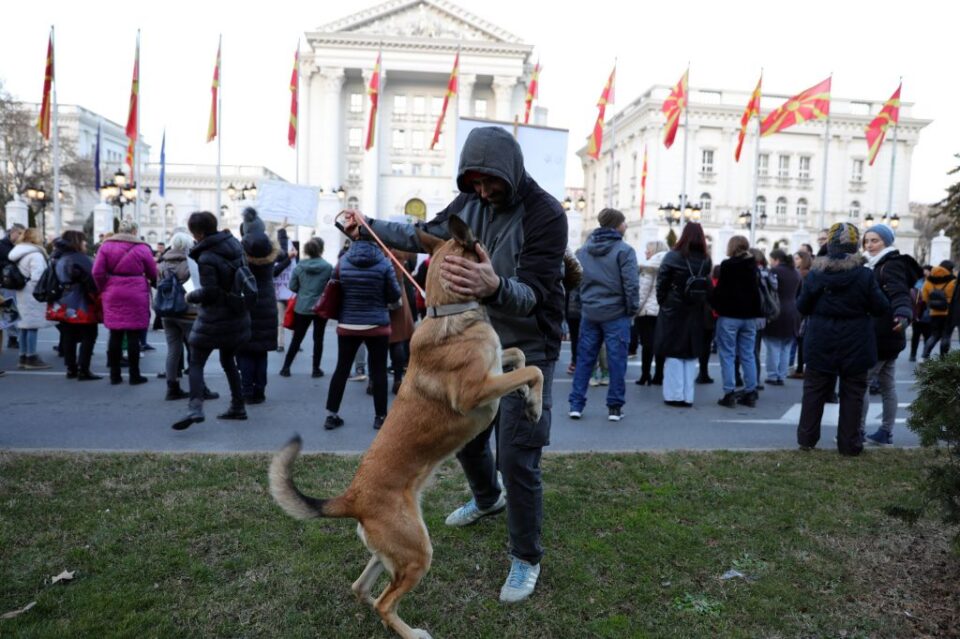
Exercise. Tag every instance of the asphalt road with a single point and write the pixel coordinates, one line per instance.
(44, 410)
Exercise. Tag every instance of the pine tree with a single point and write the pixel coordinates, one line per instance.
(946, 212)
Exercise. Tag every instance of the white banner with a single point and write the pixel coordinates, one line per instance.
(284, 202)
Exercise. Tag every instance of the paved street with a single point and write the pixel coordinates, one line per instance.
(43, 410)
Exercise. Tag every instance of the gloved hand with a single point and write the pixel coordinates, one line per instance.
(900, 324)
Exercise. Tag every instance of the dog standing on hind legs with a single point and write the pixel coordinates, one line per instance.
(450, 394)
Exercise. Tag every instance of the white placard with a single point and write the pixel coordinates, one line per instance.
(284, 202)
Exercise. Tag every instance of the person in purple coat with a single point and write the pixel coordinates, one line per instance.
(124, 272)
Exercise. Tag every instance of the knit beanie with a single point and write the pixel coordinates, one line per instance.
(843, 238)
(610, 218)
(251, 222)
(885, 232)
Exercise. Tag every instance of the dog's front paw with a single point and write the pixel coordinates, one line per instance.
(534, 408)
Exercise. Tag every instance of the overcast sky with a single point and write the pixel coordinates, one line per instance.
(867, 46)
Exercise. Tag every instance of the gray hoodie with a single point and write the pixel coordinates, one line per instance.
(525, 239)
(610, 288)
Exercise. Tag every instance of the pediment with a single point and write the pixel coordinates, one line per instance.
(427, 19)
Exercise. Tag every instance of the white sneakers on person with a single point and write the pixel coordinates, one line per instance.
(520, 582)
(469, 513)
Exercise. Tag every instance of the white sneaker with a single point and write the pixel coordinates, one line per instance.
(576, 414)
(520, 582)
(469, 513)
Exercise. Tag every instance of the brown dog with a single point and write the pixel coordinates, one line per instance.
(449, 396)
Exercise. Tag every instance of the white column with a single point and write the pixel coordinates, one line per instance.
(939, 249)
(503, 87)
(720, 245)
(102, 220)
(800, 236)
(465, 95)
(17, 212)
(305, 118)
(649, 232)
(370, 202)
(328, 141)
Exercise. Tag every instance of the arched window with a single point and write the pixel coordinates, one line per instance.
(802, 211)
(761, 206)
(152, 238)
(855, 210)
(781, 210)
(706, 205)
(154, 213)
(782, 244)
(416, 207)
(171, 213)
(224, 212)
(353, 203)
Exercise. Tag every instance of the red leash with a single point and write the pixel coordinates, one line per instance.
(388, 252)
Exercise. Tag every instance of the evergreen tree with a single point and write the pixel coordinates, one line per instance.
(946, 213)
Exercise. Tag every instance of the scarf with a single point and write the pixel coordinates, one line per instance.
(873, 259)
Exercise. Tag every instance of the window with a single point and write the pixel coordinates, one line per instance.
(436, 105)
(783, 167)
(419, 105)
(154, 213)
(356, 103)
(802, 211)
(353, 203)
(399, 139)
(416, 169)
(804, 173)
(170, 212)
(706, 205)
(435, 170)
(781, 210)
(764, 164)
(400, 104)
(418, 141)
(855, 210)
(857, 174)
(224, 211)
(353, 171)
(479, 108)
(706, 164)
(397, 168)
(152, 238)
(761, 206)
(354, 135)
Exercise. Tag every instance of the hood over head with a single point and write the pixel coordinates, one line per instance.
(491, 150)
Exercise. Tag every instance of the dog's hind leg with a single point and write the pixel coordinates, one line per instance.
(404, 580)
(364, 583)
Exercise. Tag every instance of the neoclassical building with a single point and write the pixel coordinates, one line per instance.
(419, 40)
(790, 162)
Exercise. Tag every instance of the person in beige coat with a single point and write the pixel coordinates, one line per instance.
(649, 309)
(31, 259)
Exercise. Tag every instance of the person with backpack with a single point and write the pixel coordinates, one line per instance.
(938, 293)
(736, 299)
(683, 288)
(8, 295)
(895, 273)
(309, 278)
(781, 332)
(282, 271)
(124, 271)
(223, 321)
(30, 261)
(76, 308)
(647, 316)
(170, 303)
(920, 329)
(261, 254)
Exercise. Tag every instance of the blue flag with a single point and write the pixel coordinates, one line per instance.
(96, 162)
(163, 162)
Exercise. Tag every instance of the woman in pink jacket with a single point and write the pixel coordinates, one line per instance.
(124, 272)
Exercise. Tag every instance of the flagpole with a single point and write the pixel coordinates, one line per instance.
(219, 123)
(57, 220)
(138, 177)
(296, 140)
(161, 178)
(823, 186)
(686, 136)
(614, 178)
(756, 176)
(893, 158)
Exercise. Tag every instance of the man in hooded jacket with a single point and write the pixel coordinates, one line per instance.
(523, 231)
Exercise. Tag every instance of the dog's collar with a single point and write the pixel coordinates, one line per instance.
(451, 309)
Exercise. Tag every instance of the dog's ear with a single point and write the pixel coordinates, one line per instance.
(462, 233)
(430, 243)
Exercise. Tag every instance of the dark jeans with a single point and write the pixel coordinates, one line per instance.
(634, 336)
(84, 335)
(941, 328)
(253, 373)
(705, 353)
(919, 330)
(519, 449)
(399, 358)
(300, 325)
(817, 387)
(648, 329)
(115, 352)
(347, 346)
(574, 325)
(198, 360)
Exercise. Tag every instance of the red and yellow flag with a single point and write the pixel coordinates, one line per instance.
(673, 106)
(877, 129)
(753, 109)
(531, 92)
(130, 159)
(812, 104)
(451, 91)
(132, 124)
(213, 127)
(43, 122)
(595, 143)
(374, 91)
(294, 99)
(643, 183)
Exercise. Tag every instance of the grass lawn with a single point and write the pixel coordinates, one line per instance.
(193, 546)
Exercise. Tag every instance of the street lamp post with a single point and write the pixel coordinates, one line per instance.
(682, 214)
(746, 217)
(38, 199)
(118, 192)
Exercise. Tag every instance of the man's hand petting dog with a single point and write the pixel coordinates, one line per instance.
(466, 277)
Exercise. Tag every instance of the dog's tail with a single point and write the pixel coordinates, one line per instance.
(286, 494)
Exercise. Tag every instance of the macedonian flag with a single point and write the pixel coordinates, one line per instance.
(812, 104)
(213, 126)
(673, 106)
(531, 92)
(595, 144)
(374, 91)
(43, 122)
(877, 129)
(452, 85)
(753, 108)
(133, 126)
(294, 99)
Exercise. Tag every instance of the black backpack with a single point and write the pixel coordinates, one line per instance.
(937, 300)
(49, 288)
(243, 295)
(697, 287)
(171, 298)
(13, 279)
(769, 296)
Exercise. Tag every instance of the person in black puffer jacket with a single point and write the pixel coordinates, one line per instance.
(840, 298)
(261, 256)
(76, 310)
(219, 324)
(370, 288)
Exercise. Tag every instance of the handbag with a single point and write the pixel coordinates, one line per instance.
(288, 313)
(328, 306)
